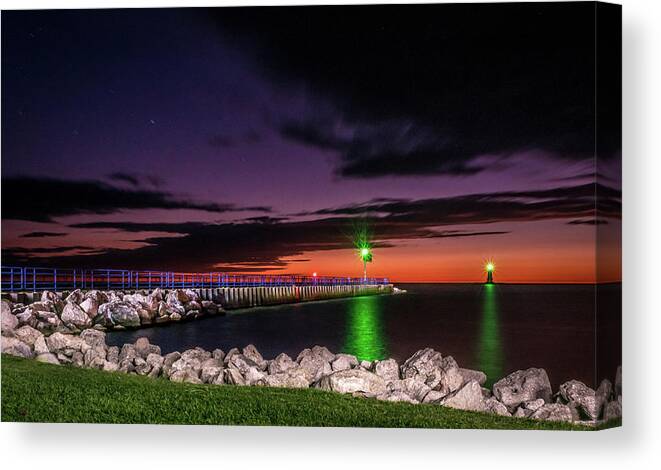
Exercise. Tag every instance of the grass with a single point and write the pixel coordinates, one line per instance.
(36, 392)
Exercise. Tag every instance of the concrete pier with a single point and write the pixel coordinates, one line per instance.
(245, 297)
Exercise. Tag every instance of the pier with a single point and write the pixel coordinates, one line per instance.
(231, 291)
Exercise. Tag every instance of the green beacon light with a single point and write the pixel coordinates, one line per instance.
(489, 267)
(364, 252)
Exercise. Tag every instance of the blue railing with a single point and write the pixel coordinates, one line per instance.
(20, 279)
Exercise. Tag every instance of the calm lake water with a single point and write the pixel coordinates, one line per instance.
(496, 329)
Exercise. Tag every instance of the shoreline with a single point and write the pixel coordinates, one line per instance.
(427, 377)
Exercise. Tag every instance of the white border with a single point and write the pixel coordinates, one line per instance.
(636, 445)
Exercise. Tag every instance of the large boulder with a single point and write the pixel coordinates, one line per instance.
(143, 348)
(437, 372)
(94, 338)
(210, 370)
(155, 362)
(291, 378)
(16, 347)
(612, 410)
(493, 406)
(281, 363)
(388, 370)
(315, 362)
(553, 412)
(353, 381)
(75, 297)
(48, 358)
(522, 386)
(469, 374)
(118, 312)
(581, 397)
(412, 387)
(254, 355)
(425, 365)
(468, 397)
(9, 320)
(74, 317)
(344, 362)
(28, 335)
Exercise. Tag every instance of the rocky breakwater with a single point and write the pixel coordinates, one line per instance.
(426, 377)
(103, 310)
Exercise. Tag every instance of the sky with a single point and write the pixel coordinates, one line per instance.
(256, 139)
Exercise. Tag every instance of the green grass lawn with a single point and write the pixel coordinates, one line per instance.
(36, 392)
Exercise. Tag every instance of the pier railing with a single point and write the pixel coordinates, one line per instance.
(26, 279)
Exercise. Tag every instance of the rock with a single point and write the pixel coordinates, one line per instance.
(118, 312)
(141, 366)
(26, 317)
(218, 354)
(75, 297)
(49, 296)
(318, 352)
(344, 362)
(16, 347)
(522, 386)
(94, 338)
(168, 360)
(433, 396)
(9, 320)
(469, 374)
(468, 397)
(315, 367)
(413, 387)
(40, 346)
(253, 354)
(231, 353)
(97, 296)
(66, 344)
(48, 358)
(618, 381)
(493, 406)
(127, 353)
(90, 306)
(291, 378)
(603, 393)
(74, 316)
(388, 370)
(28, 335)
(209, 307)
(437, 372)
(352, 381)
(233, 377)
(112, 355)
(612, 410)
(193, 305)
(144, 349)
(155, 362)
(210, 370)
(176, 316)
(367, 365)
(526, 409)
(282, 363)
(581, 397)
(553, 412)
(397, 396)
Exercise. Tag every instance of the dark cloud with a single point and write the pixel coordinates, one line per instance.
(573, 201)
(42, 234)
(267, 244)
(588, 222)
(125, 178)
(457, 80)
(41, 199)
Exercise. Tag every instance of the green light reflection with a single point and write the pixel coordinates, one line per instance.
(365, 336)
(490, 350)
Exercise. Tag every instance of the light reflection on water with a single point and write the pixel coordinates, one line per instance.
(365, 336)
(490, 349)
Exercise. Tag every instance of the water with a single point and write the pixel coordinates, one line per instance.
(497, 329)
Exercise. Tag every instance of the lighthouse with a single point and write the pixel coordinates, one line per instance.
(489, 267)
